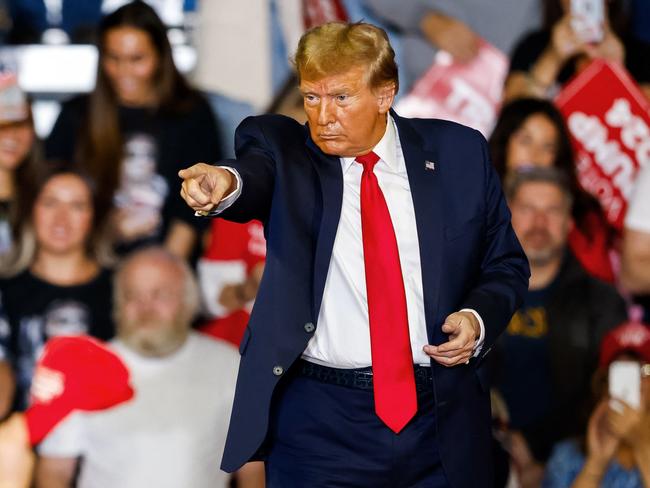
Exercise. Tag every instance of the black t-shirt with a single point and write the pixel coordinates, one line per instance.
(156, 146)
(524, 378)
(530, 48)
(36, 310)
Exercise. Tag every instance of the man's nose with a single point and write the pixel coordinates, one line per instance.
(145, 307)
(325, 112)
(540, 219)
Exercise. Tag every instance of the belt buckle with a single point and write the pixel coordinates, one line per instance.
(363, 379)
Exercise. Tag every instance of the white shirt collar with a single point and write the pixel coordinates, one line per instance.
(386, 148)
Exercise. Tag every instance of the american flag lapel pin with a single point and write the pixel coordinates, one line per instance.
(430, 165)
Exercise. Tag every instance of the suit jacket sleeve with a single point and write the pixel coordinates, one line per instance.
(256, 165)
(503, 280)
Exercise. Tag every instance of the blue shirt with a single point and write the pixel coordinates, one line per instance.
(567, 461)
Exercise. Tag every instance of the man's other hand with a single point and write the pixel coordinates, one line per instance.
(204, 186)
(464, 330)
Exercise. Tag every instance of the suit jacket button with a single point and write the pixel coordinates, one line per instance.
(278, 370)
(309, 327)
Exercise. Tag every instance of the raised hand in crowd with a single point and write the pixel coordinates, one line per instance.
(235, 296)
(451, 35)
(611, 425)
(565, 42)
(544, 60)
(615, 450)
(611, 48)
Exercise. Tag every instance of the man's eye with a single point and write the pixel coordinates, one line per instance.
(341, 98)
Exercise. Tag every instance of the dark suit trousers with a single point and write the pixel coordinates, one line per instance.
(324, 435)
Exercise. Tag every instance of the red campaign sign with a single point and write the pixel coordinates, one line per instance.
(467, 93)
(317, 12)
(609, 121)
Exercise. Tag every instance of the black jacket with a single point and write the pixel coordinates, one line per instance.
(579, 310)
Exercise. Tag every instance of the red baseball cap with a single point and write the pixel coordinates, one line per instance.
(92, 378)
(628, 336)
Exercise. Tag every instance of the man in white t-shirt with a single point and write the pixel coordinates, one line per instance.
(173, 431)
(635, 265)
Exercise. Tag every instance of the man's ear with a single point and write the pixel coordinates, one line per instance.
(385, 96)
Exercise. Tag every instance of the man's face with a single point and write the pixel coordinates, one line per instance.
(152, 318)
(346, 117)
(541, 219)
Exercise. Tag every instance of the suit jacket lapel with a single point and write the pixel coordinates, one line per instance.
(330, 175)
(426, 191)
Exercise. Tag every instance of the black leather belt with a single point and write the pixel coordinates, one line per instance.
(359, 378)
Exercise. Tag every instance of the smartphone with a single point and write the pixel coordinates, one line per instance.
(588, 19)
(625, 382)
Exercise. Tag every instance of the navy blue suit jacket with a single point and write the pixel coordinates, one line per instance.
(469, 253)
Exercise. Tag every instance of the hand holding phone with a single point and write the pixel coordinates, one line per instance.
(625, 382)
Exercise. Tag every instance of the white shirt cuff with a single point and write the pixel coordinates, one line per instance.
(226, 201)
(481, 337)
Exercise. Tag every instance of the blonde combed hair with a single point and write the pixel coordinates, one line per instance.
(336, 47)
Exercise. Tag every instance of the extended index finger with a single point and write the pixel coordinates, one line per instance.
(193, 171)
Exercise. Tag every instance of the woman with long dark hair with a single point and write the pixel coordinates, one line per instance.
(532, 132)
(55, 281)
(18, 153)
(139, 126)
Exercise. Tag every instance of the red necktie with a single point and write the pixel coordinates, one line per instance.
(392, 360)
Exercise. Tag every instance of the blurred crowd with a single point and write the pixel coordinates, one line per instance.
(94, 238)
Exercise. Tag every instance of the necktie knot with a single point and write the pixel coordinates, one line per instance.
(368, 160)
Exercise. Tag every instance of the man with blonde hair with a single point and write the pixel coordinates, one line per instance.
(391, 269)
